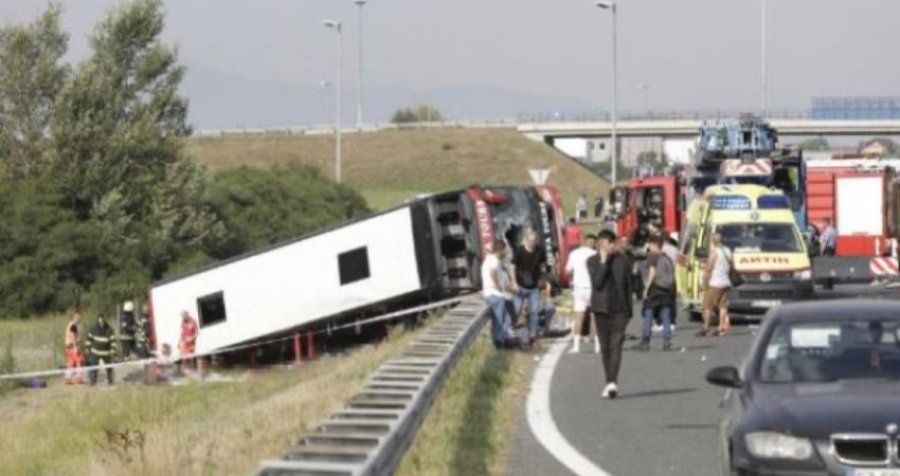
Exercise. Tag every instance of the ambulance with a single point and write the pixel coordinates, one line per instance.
(758, 225)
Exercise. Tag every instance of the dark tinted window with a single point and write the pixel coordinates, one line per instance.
(353, 265)
(853, 348)
(212, 309)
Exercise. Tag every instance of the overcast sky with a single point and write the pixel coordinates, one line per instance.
(259, 62)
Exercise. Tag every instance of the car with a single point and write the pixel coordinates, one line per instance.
(818, 393)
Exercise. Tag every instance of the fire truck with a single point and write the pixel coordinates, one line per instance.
(741, 152)
(860, 199)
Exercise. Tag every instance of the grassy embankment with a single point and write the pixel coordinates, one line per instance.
(210, 429)
(468, 429)
(388, 167)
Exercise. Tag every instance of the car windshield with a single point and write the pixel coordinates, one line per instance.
(832, 351)
(761, 237)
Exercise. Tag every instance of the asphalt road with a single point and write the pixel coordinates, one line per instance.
(665, 421)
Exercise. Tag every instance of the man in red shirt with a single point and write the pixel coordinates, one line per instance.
(573, 235)
(188, 343)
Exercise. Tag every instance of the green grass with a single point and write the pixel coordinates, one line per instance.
(388, 167)
(209, 429)
(37, 344)
(469, 427)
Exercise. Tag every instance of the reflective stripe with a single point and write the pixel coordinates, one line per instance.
(100, 338)
(100, 352)
(126, 337)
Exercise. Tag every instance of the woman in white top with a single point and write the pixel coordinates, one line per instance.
(716, 283)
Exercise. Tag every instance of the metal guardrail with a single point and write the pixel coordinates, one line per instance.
(370, 434)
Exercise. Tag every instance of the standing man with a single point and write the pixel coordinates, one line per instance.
(828, 241)
(102, 345)
(611, 293)
(528, 265)
(142, 334)
(497, 291)
(188, 342)
(127, 330)
(716, 282)
(670, 249)
(580, 277)
(598, 208)
(581, 208)
(659, 294)
(74, 359)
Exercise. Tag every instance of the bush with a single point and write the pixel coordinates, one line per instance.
(420, 113)
(260, 207)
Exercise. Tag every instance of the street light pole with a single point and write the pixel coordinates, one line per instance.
(611, 6)
(359, 69)
(338, 86)
(763, 60)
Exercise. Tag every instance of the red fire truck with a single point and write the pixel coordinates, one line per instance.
(860, 198)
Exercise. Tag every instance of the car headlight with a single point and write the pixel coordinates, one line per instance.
(803, 275)
(771, 445)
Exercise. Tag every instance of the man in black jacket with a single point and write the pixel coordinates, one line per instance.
(611, 302)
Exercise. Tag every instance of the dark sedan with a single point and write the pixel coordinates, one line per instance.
(819, 393)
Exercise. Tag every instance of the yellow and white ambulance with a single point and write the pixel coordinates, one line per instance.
(757, 225)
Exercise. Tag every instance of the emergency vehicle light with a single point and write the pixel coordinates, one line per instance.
(730, 202)
(773, 202)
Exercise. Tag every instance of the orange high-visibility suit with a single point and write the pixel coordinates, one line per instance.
(74, 359)
(188, 342)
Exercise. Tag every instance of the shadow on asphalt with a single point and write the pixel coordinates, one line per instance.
(476, 447)
(657, 393)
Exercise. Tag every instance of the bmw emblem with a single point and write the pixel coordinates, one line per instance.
(892, 429)
(765, 277)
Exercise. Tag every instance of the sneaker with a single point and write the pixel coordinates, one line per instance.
(642, 347)
(611, 391)
(667, 346)
(574, 349)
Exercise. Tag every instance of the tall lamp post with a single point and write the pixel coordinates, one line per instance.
(359, 68)
(763, 60)
(336, 25)
(611, 6)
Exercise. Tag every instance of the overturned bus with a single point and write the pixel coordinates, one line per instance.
(428, 248)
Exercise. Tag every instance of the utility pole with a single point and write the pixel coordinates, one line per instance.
(611, 6)
(359, 69)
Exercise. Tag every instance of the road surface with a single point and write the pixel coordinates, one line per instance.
(665, 420)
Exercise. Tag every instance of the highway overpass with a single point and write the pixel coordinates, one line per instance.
(688, 128)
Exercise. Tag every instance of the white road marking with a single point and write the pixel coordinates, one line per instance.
(540, 419)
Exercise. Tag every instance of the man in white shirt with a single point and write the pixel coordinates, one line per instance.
(577, 270)
(498, 290)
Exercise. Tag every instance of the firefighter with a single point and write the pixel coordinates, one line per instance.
(74, 358)
(142, 333)
(188, 343)
(102, 347)
(127, 331)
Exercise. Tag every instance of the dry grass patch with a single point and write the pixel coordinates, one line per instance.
(210, 429)
(468, 429)
(392, 165)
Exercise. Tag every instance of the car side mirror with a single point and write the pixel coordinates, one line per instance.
(724, 377)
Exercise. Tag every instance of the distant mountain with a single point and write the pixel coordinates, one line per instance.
(220, 100)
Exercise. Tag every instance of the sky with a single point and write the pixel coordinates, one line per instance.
(261, 63)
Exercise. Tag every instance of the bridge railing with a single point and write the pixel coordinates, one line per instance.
(697, 115)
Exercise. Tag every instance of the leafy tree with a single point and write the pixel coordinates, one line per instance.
(260, 207)
(118, 133)
(420, 113)
(31, 77)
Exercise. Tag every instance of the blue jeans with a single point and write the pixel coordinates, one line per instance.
(501, 318)
(665, 313)
(533, 298)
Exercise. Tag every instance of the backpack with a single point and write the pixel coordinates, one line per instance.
(665, 272)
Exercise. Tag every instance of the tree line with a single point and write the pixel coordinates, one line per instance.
(97, 195)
